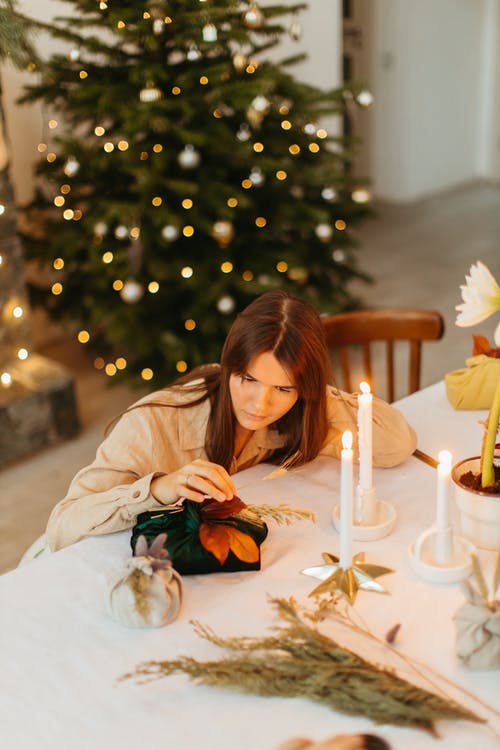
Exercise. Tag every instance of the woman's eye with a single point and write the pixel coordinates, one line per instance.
(283, 389)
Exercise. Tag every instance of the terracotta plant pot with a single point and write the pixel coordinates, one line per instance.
(479, 510)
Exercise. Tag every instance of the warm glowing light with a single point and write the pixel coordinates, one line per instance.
(364, 387)
(247, 276)
(17, 312)
(186, 272)
(22, 354)
(189, 324)
(157, 201)
(217, 114)
(286, 124)
(284, 110)
(57, 288)
(1, 260)
(340, 225)
(181, 366)
(83, 337)
(232, 202)
(321, 133)
(246, 184)
(203, 80)
(83, 74)
(187, 203)
(282, 266)
(52, 124)
(281, 174)
(147, 373)
(99, 363)
(153, 287)
(120, 25)
(99, 130)
(188, 230)
(144, 155)
(109, 147)
(347, 440)
(146, 15)
(2, 209)
(51, 157)
(157, 148)
(444, 465)
(260, 221)
(42, 147)
(361, 195)
(6, 379)
(117, 285)
(110, 369)
(65, 189)
(135, 233)
(59, 201)
(107, 257)
(313, 148)
(68, 214)
(123, 145)
(226, 266)
(294, 149)
(77, 215)
(121, 363)
(176, 90)
(250, 68)
(58, 264)
(258, 147)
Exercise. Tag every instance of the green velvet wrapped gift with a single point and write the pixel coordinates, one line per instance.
(206, 537)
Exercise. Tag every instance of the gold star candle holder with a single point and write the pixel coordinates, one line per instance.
(361, 575)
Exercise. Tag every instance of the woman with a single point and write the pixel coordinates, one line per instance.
(268, 400)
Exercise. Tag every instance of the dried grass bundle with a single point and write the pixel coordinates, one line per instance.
(300, 661)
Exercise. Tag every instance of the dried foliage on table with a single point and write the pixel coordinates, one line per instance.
(300, 661)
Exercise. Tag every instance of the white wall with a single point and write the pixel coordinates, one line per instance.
(430, 79)
(321, 39)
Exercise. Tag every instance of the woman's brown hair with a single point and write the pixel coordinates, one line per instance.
(291, 329)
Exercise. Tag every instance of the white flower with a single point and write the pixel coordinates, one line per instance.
(481, 298)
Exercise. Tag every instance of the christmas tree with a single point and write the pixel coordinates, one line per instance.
(185, 174)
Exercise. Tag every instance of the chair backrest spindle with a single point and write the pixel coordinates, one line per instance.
(364, 327)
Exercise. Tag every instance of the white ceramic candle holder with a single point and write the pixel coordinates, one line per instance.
(441, 557)
(373, 518)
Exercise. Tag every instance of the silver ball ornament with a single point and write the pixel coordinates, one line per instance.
(225, 304)
(189, 158)
(324, 232)
(170, 232)
(131, 291)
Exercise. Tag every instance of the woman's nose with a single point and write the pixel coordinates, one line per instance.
(262, 398)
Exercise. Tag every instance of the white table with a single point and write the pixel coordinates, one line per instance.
(61, 654)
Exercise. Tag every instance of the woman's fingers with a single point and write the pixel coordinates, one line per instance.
(207, 479)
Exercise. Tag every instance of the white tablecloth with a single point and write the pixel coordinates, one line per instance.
(61, 655)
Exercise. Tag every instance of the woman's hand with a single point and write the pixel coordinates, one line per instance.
(195, 481)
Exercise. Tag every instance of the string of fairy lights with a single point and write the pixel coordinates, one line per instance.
(130, 290)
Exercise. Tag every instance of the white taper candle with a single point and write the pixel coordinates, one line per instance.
(365, 436)
(346, 499)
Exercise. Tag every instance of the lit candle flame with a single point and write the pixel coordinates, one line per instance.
(444, 458)
(347, 440)
(364, 387)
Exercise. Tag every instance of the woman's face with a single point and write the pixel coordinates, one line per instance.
(262, 394)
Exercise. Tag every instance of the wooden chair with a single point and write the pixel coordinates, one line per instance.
(364, 327)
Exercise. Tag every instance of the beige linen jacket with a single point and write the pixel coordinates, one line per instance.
(158, 438)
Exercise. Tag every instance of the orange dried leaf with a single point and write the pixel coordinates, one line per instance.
(215, 539)
(214, 509)
(243, 546)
